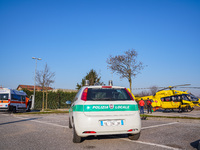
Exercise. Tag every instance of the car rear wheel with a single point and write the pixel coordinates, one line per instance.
(76, 138)
(134, 136)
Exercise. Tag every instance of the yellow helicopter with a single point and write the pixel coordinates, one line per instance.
(167, 98)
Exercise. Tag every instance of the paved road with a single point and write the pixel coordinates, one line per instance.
(51, 132)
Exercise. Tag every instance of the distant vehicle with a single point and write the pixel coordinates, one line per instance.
(13, 100)
(104, 110)
(173, 99)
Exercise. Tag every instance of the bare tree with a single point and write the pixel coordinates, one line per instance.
(126, 65)
(144, 93)
(153, 90)
(45, 78)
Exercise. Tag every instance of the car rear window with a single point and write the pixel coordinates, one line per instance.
(107, 94)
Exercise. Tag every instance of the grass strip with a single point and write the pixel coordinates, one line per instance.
(44, 112)
(174, 117)
(61, 111)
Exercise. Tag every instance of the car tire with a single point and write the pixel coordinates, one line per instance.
(70, 125)
(76, 138)
(14, 109)
(134, 136)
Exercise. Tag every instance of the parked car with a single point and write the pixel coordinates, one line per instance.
(104, 110)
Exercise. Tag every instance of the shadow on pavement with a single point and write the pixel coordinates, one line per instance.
(18, 121)
(196, 144)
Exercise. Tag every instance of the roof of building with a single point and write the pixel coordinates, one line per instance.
(31, 87)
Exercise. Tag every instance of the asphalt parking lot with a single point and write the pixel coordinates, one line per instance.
(50, 131)
(194, 113)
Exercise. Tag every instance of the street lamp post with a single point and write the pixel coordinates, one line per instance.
(33, 101)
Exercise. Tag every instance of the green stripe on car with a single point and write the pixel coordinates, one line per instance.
(95, 108)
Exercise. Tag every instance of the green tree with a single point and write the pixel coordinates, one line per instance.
(125, 65)
(93, 78)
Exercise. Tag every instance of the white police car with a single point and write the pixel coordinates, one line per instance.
(104, 110)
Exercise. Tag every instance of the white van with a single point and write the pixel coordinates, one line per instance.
(104, 110)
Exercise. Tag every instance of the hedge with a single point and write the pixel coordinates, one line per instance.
(56, 100)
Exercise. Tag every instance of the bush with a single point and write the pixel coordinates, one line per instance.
(56, 100)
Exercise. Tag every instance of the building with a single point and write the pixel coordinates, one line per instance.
(31, 88)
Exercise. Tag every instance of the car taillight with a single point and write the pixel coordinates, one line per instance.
(133, 130)
(8, 101)
(89, 132)
(130, 130)
(84, 94)
(129, 94)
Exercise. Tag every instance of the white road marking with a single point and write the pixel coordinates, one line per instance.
(152, 144)
(160, 125)
(44, 122)
(140, 142)
(5, 114)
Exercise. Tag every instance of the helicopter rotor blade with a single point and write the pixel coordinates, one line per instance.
(140, 88)
(164, 88)
(180, 85)
(191, 87)
(171, 87)
(146, 88)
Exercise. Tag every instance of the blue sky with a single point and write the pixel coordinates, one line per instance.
(75, 36)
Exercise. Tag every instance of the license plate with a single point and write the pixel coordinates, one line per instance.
(112, 122)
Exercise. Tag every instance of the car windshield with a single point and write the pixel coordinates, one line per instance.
(107, 94)
(3, 96)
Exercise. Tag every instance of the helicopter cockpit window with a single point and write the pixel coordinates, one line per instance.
(184, 97)
(192, 97)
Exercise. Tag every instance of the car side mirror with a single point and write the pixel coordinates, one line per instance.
(68, 102)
